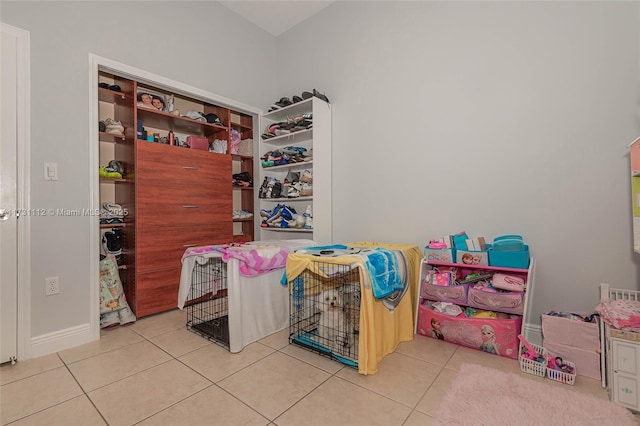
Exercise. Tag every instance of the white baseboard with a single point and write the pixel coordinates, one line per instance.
(533, 333)
(60, 340)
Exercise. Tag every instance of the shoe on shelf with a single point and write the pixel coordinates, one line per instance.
(104, 173)
(293, 192)
(308, 223)
(113, 87)
(283, 212)
(307, 176)
(283, 102)
(297, 222)
(115, 166)
(242, 179)
(306, 189)
(270, 214)
(308, 212)
(112, 242)
(242, 214)
(102, 126)
(276, 191)
(262, 193)
(113, 126)
(320, 96)
(292, 177)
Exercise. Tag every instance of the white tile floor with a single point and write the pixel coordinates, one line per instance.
(156, 372)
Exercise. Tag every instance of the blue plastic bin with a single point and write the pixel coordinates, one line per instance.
(509, 259)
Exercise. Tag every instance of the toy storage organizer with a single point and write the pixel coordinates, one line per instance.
(493, 335)
(363, 328)
(227, 304)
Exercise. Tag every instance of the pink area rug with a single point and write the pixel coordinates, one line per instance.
(484, 396)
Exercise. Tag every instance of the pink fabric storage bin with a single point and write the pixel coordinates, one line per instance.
(449, 293)
(509, 302)
(580, 334)
(587, 362)
(575, 341)
(469, 331)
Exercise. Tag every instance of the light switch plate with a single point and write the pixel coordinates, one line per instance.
(50, 171)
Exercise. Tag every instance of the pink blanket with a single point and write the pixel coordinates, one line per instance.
(198, 251)
(254, 259)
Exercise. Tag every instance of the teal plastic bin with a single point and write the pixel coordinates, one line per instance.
(509, 251)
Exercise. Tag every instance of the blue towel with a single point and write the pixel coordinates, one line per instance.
(382, 265)
(332, 247)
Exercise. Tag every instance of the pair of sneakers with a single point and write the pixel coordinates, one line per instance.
(274, 217)
(242, 214)
(120, 317)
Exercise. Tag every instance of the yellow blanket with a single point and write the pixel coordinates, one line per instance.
(381, 331)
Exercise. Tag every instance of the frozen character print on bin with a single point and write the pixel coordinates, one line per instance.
(467, 259)
(489, 340)
(436, 331)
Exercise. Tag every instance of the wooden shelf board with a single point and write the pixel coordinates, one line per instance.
(106, 95)
(112, 225)
(239, 157)
(112, 180)
(111, 138)
(165, 120)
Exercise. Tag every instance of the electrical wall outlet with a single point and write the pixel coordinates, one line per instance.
(51, 286)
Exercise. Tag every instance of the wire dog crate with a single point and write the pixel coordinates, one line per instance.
(325, 311)
(208, 302)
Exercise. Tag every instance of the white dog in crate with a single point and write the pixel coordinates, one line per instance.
(333, 331)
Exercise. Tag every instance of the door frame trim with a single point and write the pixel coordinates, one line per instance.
(23, 186)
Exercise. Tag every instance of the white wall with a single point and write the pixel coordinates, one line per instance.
(489, 117)
(201, 44)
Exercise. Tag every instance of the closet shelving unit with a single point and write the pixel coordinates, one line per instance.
(316, 140)
(175, 197)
